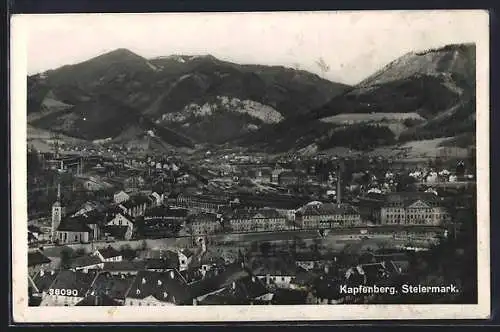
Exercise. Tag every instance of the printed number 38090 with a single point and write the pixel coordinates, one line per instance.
(63, 292)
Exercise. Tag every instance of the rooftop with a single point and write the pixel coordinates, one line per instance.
(37, 258)
(327, 209)
(84, 261)
(80, 281)
(109, 252)
(113, 286)
(43, 279)
(163, 286)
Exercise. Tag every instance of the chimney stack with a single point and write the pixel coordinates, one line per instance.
(339, 184)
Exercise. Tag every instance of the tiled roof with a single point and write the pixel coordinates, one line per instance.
(274, 267)
(109, 252)
(204, 217)
(220, 278)
(43, 279)
(84, 261)
(115, 287)
(186, 252)
(408, 198)
(161, 263)
(327, 209)
(124, 266)
(136, 201)
(80, 281)
(115, 231)
(266, 213)
(163, 286)
(250, 287)
(37, 258)
(74, 224)
(161, 212)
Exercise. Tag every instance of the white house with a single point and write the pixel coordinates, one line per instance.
(121, 197)
(121, 219)
(158, 199)
(185, 258)
(108, 254)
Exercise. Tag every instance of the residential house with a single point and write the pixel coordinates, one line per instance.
(157, 289)
(157, 198)
(275, 272)
(121, 197)
(410, 208)
(37, 235)
(314, 260)
(86, 263)
(231, 284)
(371, 273)
(111, 286)
(108, 254)
(136, 205)
(93, 183)
(185, 258)
(68, 288)
(90, 206)
(121, 226)
(317, 215)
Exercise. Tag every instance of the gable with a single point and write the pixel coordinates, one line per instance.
(419, 205)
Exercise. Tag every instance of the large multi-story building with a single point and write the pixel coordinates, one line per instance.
(200, 202)
(413, 208)
(205, 223)
(317, 215)
(290, 178)
(257, 220)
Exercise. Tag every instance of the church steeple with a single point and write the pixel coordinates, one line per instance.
(57, 213)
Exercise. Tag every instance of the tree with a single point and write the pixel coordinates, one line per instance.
(66, 255)
(127, 252)
(265, 248)
(80, 252)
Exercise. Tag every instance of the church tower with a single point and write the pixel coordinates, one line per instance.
(57, 213)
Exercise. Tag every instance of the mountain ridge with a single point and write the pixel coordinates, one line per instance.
(420, 95)
(163, 85)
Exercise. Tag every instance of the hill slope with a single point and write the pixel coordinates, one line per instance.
(422, 95)
(103, 96)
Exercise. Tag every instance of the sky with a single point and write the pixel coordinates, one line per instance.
(352, 44)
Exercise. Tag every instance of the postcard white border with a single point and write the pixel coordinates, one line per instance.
(24, 314)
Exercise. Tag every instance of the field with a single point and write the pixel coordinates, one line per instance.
(353, 118)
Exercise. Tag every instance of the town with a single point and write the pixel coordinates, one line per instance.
(111, 226)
